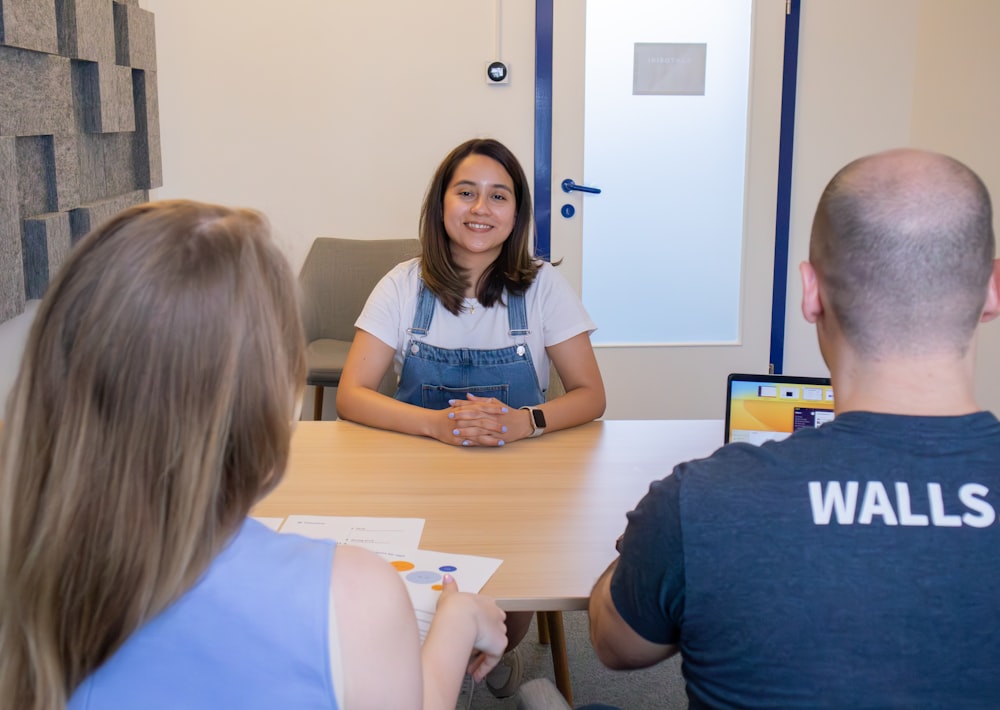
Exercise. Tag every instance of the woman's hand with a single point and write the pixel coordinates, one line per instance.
(491, 632)
(484, 421)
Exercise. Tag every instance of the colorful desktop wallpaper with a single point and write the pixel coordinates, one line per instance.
(777, 409)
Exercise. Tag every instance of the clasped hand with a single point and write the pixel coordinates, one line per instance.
(479, 421)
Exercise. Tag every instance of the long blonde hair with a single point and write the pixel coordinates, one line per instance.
(152, 408)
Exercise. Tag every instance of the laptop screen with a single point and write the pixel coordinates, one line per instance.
(760, 408)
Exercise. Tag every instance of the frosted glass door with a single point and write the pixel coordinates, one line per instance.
(665, 139)
(675, 257)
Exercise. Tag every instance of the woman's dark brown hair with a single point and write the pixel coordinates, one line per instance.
(515, 267)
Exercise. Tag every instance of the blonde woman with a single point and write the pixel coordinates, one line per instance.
(153, 408)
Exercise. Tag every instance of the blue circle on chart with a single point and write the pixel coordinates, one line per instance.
(423, 577)
(447, 568)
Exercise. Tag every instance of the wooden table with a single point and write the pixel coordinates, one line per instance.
(550, 508)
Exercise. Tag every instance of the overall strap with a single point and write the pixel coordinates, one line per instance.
(517, 315)
(425, 311)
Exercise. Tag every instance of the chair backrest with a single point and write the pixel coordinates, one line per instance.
(556, 388)
(337, 277)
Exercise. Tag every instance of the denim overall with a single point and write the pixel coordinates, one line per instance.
(432, 375)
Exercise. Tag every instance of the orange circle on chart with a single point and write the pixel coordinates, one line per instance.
(436, 587)
(402, 565)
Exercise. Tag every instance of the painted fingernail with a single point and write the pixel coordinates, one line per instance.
(466, 442)
(503, 429)
(500, 443)
(452, 402)
(456, 432)
(451, 415)
(504, 410)
(447, 579)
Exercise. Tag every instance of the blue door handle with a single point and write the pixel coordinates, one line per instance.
(569, 186)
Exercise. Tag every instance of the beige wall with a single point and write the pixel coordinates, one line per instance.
(330, 115)
(855, 96)
(956, 103)
(878, 75)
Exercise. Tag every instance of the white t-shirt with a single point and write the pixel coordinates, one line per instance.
(555, 314)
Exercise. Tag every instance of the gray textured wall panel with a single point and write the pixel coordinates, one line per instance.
(66, 172)
(148, 163)
(93, 182)
(29, 24)
(136, 37)
(57, 179)
(86, 217)
(119, 171)
(106, 165)
(35, 93)
(46, 244)
(34, 160)
(11, 270)
(87, 30)
(107, 98)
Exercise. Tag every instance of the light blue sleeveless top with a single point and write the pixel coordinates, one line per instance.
(252, 633)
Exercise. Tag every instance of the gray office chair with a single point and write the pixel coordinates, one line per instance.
(336, 279)
(556, 388)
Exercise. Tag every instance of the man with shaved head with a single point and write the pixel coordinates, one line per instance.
(855, 565)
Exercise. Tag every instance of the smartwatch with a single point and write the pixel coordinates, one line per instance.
(537, 421)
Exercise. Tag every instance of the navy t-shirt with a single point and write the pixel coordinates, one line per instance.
(852, 566)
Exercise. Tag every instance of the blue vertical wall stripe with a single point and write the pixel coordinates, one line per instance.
(779, 291)
(543, 129)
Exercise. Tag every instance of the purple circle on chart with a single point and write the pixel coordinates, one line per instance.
(447, 568)
(423, 577)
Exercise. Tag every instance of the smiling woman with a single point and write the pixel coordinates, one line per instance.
(477, 166)
(479, 215)
(472, 326)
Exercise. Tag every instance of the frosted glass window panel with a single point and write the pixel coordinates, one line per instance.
(662, 244)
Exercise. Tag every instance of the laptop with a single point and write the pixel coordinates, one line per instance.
(762, 408)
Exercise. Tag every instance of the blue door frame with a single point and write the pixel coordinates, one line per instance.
(543, 160)
(543, 129)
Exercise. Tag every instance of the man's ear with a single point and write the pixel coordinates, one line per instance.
(812, 306)
(991, 309)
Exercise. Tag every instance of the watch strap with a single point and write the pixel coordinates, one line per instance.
(537, 421)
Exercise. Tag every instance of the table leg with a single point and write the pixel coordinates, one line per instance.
(543, 628)
(560, 661)
(318, 403)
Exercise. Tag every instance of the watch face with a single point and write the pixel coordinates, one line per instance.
(538, 417)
